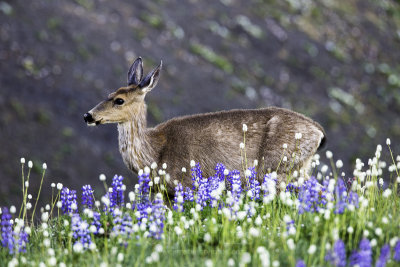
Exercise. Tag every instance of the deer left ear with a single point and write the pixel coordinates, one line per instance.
(135, 72)
(151, 80)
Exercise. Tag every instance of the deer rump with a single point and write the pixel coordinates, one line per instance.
(215, 138)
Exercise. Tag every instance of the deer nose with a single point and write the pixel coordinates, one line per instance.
(88, 118)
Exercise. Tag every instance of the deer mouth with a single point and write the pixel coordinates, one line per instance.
(94, 123)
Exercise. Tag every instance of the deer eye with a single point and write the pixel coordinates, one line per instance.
(118, 101)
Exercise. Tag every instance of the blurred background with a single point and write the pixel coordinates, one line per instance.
(335, 61)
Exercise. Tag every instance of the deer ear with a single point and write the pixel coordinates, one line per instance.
(151, 80)
(135, 72)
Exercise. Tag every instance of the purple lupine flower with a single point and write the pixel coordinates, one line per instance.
(290, 226)
(292, 188)
(254, 184)
(22, 241)
(234, 194)
(7, 234)
(236, 184)
(215, 189)
(122, 224)
(80, 231)
(143, 204)
(341, 196)
(337, 257)
(300, 263)
(219, 171)
(157, 217)
(197, 175)
(353, 199)
(188, 195)
(384, 256)
(117, 194)
(144, 188)
(12, 239)
(68, 198)
(362, 257)
(178, 198)
(311, 196)
(396, 255)
(96, 222)
(203, 192)
(87, 196)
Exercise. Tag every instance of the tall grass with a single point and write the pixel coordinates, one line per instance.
(325, 220)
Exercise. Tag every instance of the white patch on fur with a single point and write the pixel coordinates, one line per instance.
(134, 146)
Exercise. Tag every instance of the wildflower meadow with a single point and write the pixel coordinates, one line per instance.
(234, 218)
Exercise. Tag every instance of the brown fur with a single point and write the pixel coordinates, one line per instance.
(209, 138)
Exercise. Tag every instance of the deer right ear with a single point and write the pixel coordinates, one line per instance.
(135, 72)
(151, 80)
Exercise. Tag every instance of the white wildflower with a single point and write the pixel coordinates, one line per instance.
(46, 242)
(387, 193)
(254, 232)
(244, 127)
(146, 170)
(246, 258)
(52, 261)
(13, 209)
(78, 247)
(339, 164)
(208, 263)
(120, 257)
(102, 177)
(378, 231)
(178, 230)
(365, 233)
(258, 221)
(393, 241)
(328, 154)
(311, 250)
(30, 164)
(290, 244)
(207, 237)
(388, 141)
(153, 165)
(241, 145)
(298, 136)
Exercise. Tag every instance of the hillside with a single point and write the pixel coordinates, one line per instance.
(335, 61)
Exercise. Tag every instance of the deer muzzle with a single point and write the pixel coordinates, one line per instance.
(89, 119)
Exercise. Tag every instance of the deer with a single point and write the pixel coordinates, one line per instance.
(268, 135)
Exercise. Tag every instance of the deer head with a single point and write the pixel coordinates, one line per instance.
(121, 105)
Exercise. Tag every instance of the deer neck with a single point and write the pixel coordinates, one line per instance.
(134, 141)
